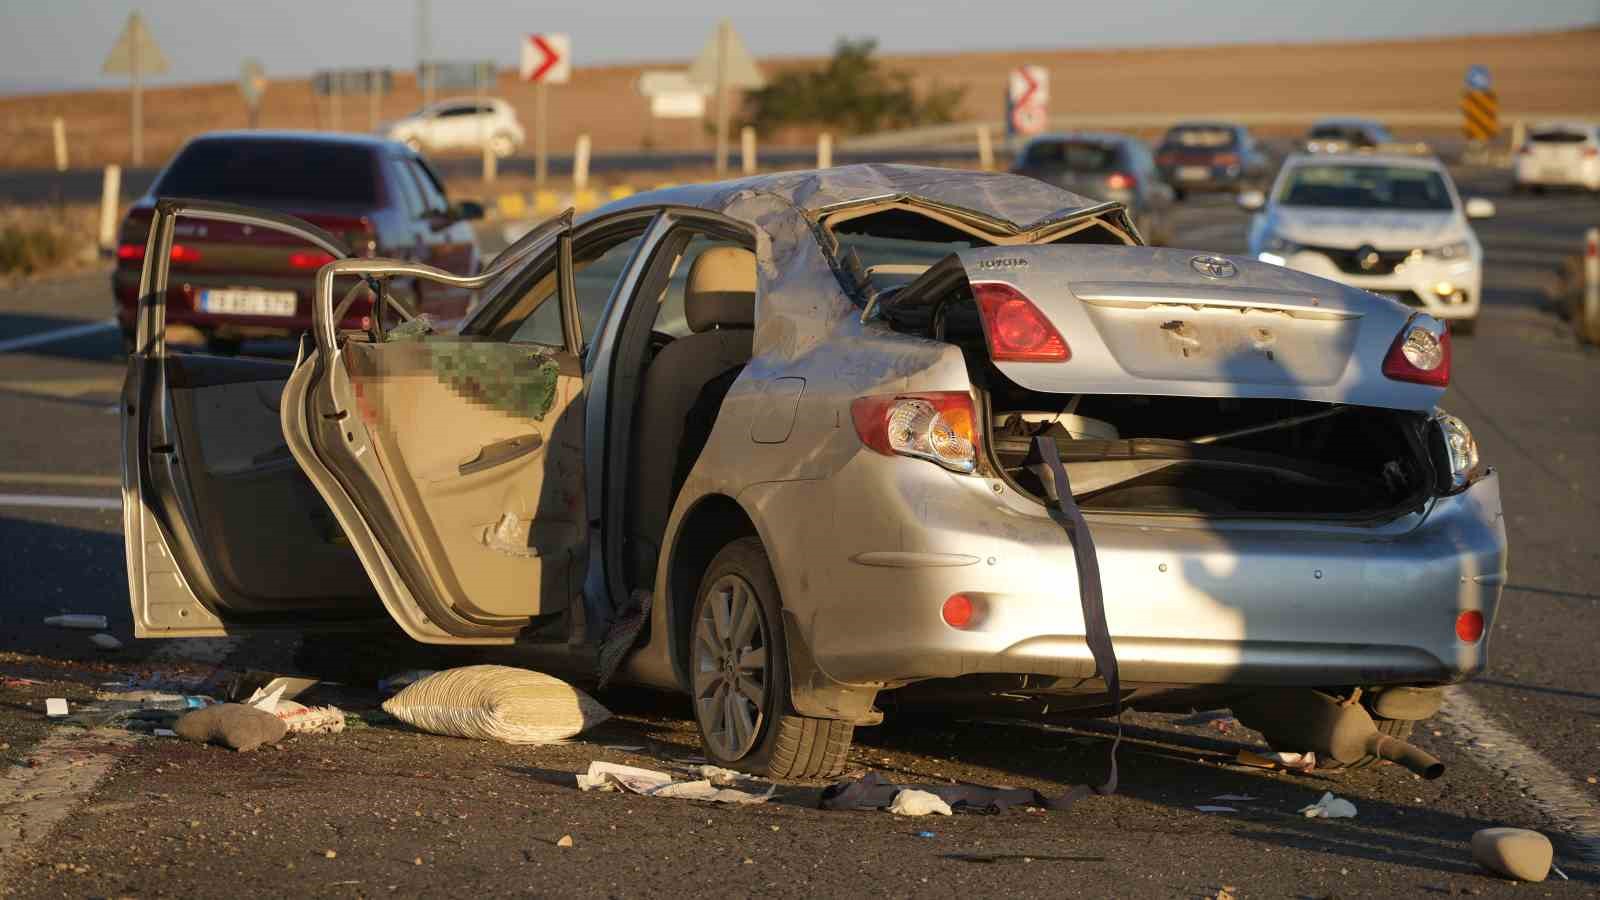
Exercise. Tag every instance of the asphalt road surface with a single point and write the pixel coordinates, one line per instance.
(384, 810)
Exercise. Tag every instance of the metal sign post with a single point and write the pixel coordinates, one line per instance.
(546, 60)
(337, 83)
(135, 55)
(722, 66)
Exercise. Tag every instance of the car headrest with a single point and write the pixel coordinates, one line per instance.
(721, 291)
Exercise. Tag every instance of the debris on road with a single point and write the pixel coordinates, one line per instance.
(1329, 807)
(912, 802)
(1294, 762)
(302, 719)
(565, 841)
(1514, 853)
(715, 785)
(81, 621)
(496, 703)
(55, 707)
(1235, 798)
(872, 791)
(255, 683)
(234, 725)
(105, 641)
(1208, 808)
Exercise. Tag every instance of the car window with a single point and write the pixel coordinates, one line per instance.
(432, 194)
(1557, 136)
(275, 173)
(670, 318)
(451, 111)
(598, 264)
(410, 194)
(1076, 156)
(1366, 187)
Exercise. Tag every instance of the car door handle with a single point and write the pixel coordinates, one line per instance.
(500, 452)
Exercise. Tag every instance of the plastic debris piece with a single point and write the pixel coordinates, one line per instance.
(105, 641)
(497, 703)
(264, 700)
(1514, 853)
(1235, 798)
(254, 684)
(925, 834)
(565, 841)
(77, 620)
(164, 732)
(1207, 808)
(302, 719)
(1329, 807)
(55, 707)
(912, 802)
(1296, 762)
(605, 776)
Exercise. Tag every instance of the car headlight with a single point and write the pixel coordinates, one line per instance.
(1454, 450)
(1456, 250)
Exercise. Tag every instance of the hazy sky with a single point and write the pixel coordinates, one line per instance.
(48, 44)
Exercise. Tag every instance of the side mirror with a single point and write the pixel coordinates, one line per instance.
(466, 210)
(1480, 208)
(1251, 200)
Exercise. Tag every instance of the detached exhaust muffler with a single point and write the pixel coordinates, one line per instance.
(1342, 731)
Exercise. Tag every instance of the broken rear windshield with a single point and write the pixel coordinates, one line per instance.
(1077, 156)
(1366, 187)
(274, 172)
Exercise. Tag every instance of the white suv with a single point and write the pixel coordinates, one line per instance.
(460, 124)
(1388, 223)
(1563, 154)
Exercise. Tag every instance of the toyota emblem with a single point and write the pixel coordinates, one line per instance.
(1213, 266)
(1367, 257)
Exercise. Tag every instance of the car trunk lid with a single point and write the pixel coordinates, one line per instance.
(1141, 320)
(231, 248)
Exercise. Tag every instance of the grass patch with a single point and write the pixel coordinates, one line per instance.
(43, 239)
(29, 250)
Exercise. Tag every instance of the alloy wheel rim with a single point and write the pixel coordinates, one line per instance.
(730, 671)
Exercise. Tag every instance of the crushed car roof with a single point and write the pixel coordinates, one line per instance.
(1017, 199)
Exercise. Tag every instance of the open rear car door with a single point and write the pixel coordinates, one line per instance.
(433, 476)
(222, 530)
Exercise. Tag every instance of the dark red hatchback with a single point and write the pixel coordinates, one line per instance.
(233, 282)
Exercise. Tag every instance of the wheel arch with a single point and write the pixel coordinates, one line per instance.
(714, 521)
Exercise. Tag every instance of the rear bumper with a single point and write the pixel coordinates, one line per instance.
(1583, 174)
(183, 299)
(1217, 178)
(1189, 602)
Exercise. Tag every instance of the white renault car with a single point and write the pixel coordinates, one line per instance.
(463, 123)
(1390, 224)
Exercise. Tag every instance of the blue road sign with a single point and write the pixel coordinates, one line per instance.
(1478, 78)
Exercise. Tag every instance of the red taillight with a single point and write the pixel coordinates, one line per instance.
(1120, 181)
(1469, 626)
(309, 259)
(1018, 331)
(957, 611)
(1167, 159)
(1226, 159)
(939, 426)
(1419, 355)
(181, 253)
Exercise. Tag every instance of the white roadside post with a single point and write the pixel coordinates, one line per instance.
(1591, 284)
(985, 149)
(580, 164)
(824, 151)
(58, 130)
(747, 149)
(110, 203)
(490, 163)
(1519, 134)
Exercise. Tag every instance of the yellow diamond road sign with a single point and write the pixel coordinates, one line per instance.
(135, 50)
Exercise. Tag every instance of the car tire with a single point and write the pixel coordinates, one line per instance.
(502, 145)
(736, 638)
(1464, 327)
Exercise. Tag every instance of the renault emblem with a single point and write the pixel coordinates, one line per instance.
(1367, 257)
(1213, 266)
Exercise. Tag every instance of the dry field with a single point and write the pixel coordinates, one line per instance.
(1541, 72)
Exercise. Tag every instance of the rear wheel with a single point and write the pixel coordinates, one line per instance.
(739, 672)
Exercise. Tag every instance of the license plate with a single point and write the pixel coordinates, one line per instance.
(247, 302)
(1193, 173)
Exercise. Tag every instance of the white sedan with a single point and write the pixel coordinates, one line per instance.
(1390, 224)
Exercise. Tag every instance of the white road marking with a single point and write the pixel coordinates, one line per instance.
(58, 334)
(1547, 788)
(56, 479)
(56, 501)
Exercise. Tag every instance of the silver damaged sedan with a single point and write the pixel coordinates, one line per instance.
(766, 442)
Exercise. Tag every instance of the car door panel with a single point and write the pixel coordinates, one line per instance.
(221, 529)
